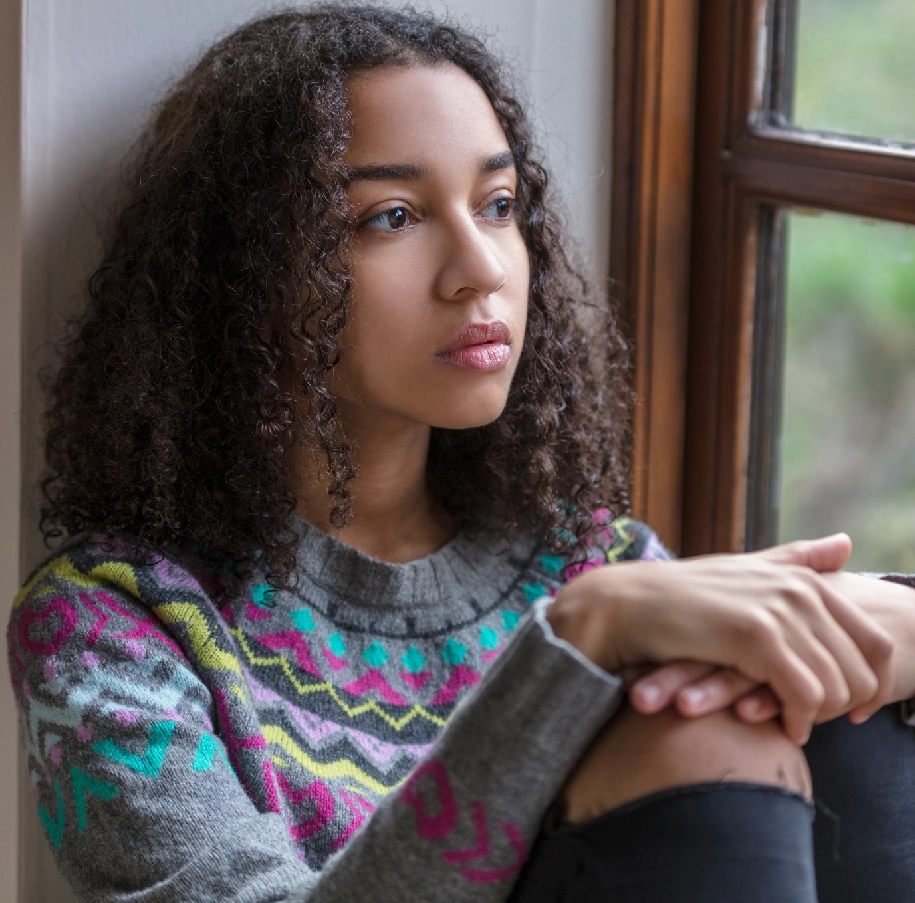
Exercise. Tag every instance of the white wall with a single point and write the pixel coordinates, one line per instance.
(10, 370)
(90, 71)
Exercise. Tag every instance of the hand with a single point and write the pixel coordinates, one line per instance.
(768, 615)
(893, 607)
(695, 689)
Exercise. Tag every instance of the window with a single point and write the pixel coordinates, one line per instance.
(794, 162)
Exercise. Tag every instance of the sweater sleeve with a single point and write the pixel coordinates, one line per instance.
(132, 782)
(136, 790)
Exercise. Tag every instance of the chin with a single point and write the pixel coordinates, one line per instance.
(468, 414)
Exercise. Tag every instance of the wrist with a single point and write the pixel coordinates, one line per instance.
(589, 613)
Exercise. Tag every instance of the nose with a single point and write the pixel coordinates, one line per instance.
(470, 266)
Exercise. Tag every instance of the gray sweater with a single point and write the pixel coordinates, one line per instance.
(390, 732)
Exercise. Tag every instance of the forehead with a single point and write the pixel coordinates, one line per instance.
(427, 114)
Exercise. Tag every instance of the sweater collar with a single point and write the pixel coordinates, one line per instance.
(457, 584)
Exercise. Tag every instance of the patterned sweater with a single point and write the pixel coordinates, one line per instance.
(390, 732)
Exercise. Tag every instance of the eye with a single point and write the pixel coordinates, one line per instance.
(500, 208)
(395, 219)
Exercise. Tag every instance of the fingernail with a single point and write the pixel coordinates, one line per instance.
(694, 696)
(649, 694)
(751, 705)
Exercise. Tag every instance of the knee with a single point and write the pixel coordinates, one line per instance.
(640, 754)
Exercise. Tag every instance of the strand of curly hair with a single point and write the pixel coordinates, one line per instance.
(168, 418)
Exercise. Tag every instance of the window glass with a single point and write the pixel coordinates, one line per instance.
(848, 430)
(855, 67)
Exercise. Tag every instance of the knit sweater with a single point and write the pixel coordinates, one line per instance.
(391, 732)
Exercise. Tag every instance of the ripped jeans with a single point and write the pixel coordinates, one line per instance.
(737, 842)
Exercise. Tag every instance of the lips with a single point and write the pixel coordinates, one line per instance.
(479, 348)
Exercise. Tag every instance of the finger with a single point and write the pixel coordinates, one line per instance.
(714, 693)
(757, 706)
(847, 677)
(886, 678)
(872, 643)
(823, 646)
(631, 673)
(822, 555)
(767, 656)
(658, 689)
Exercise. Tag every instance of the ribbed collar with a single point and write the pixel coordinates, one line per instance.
(448, 589)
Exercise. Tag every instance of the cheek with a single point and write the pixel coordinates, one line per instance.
(384, 323)
(385, 304)
(518, 273)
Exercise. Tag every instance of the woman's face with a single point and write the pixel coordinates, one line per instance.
(440, 267)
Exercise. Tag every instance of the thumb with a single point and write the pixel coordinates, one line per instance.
(822, 555)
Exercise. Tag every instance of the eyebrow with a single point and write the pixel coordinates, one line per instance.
(410, 172)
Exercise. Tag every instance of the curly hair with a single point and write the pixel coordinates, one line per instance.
(169, 418)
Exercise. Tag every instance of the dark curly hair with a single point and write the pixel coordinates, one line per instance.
(168, 418)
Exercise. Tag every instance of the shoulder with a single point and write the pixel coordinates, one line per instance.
(614, 540)
(119, 564)
(625, 539)
(93, 593)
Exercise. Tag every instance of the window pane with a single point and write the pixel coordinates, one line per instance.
(848, 432)
(855, 67)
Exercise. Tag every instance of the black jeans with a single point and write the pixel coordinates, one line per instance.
(735, 842)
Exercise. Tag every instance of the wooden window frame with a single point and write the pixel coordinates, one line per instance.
(698, 241)
(653, 116)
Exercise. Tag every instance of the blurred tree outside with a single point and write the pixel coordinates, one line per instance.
(848, 434)
(855, 70)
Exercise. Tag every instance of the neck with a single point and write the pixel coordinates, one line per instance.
(393, 518)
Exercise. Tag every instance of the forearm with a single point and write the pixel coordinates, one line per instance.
(461, 826)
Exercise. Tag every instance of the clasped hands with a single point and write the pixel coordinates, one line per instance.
(783, 632)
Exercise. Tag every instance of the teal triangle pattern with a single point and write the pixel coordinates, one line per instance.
(149, 762)
(302, 618)
(375, 655)
(552, 564)
(54, 828)
(510, 619)
(262, 596)
(413, 660)
(83, 784)
(454, 652)
(207, 750)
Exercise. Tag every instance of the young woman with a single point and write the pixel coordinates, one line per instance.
(337, 470)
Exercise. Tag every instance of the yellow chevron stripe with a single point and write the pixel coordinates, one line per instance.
(620, 524)
(62, 568)
(114, 573)
(205, 648)
(342, 768)
(118, 574)
(416, 711)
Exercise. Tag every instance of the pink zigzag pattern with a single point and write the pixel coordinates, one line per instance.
(316, 730)
(443, 822)
(291, 639)
(460, 677)
(374, 680)
(324, 806)
(336, 663)
(146, 627)
(101, 619)
(234, 746)
(415, 681)
(253, 613)
(360, 808)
